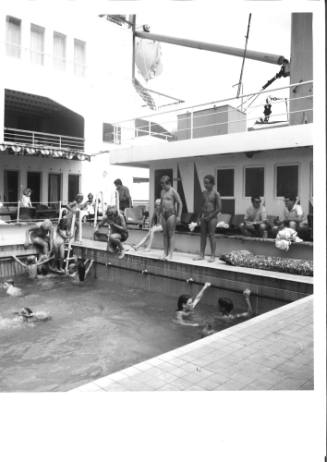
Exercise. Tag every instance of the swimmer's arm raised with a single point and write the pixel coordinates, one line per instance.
(19, 261)
(200, 294)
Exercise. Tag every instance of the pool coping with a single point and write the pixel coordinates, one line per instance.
(129, 372)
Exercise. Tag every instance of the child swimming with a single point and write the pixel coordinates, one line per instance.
(186, 306)
(9, 287)
(26, 314)
(32, 265)
(226, 306)
(80, 268)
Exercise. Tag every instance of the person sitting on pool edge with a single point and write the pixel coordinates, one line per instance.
(41, 236)
(186, 306)
(118, 230)
(226, 307)
(155, 226)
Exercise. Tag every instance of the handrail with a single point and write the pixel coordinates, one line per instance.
(43, 133)
(215, 102)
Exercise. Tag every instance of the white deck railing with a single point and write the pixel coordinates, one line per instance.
(229, 115)
(40, 139)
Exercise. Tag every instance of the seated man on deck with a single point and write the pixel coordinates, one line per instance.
(293, 216)
(255, 219)
(41, 236)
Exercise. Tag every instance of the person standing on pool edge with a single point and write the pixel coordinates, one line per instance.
(171, 210)
(125, 200)
(208, 217)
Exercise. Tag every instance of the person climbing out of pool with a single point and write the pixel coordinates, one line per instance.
(207, 221)
(26, 314)
(80, 268)
(41, 236)
(226, 306)
(118, 230)
(32, 265)
(74, 208)
(171, 211)
(186, 305)
(155, 226)
(9, 287)
(61, 235)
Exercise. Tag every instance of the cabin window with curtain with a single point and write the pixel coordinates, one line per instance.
(287, 180)
(37, 44)
(254, 181)
(79, 57)
(13, 37)
(111, 133)
(59, 51)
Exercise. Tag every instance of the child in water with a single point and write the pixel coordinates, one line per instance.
(186, 306)
(80, 268)
(26, 314)
(9, 287)
(226, 307)
(32, 266)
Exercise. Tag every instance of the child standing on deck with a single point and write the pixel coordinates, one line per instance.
(118, 230)
(171, 210)
(208, 217)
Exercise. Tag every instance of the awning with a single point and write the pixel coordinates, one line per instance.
(19, 149)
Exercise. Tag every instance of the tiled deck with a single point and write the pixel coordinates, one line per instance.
(271, 352)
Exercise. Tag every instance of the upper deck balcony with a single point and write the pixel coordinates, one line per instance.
(219, 127)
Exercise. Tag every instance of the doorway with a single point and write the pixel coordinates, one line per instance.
(34, 182)
(73, 187)
(54, 187)
(11, 182)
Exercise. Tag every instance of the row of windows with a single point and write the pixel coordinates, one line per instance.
(37, 42)
(254, 181)
(34, 181)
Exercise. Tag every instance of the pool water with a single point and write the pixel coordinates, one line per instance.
(96, 328)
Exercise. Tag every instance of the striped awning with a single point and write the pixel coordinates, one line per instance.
(18, 149)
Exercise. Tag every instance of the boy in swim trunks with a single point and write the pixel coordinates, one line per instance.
(208, 217)
(118, 230)
(171, 210)
(41, 236)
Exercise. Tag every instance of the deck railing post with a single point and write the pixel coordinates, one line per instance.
(18, 211)
(96, 210)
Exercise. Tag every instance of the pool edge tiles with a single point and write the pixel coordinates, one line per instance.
(273, 351)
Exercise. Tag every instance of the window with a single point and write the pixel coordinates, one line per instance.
(79, 57)
(59, 50)
(254, 181)
(111, 133)
(225, 182)
(13, 37)
(287, 180)
(225, 186)
(37, 44)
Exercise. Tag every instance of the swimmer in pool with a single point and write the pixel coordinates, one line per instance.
(186, 306)
(26, 314)
(32, 265)
(9, 287)
(80, 268)
(226, 306)
(207, 330)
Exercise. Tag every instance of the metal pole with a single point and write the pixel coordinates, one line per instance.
(133, 44)
(243, 62)
(256, 55)
(96, 211)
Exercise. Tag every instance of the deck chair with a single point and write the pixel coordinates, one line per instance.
(135, 216)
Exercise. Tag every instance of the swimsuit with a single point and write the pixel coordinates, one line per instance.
(168, 213)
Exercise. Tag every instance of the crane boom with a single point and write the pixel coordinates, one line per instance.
(256, 55)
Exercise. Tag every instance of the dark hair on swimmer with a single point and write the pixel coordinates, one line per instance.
(225, 305)
(210, 178)
(182, 299)
(28, 310)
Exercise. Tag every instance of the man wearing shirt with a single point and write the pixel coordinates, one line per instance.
(293, 214)
(254, 219)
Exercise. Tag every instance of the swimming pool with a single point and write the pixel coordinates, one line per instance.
(97, 328)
